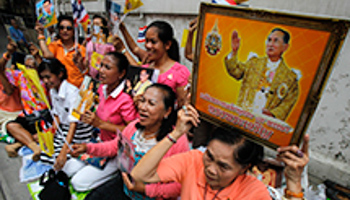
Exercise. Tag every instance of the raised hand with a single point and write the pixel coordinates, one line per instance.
(39, 28)
(235, 42)
(186, 118)
(118, 43)
(193, 25)
(295, 160)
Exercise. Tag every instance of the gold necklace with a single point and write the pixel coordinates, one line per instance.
(147, 137)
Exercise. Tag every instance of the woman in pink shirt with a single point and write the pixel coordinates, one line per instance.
(163, 54)
(157, 118)
(116, 108)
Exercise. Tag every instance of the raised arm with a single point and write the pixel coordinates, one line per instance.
(188, 49)
(42, 43)
(11, 48)
(135, 49)
(295, 160)
(120, 47)
(146, 169)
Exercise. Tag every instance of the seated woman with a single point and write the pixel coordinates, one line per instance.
(63, 98)
(33, 102)
(220, 172)
(157, 117)
(116, 108)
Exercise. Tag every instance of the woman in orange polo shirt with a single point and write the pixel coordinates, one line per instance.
(220, 172)
(65, 50)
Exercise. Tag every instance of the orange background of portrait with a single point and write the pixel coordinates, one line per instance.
(305, 51)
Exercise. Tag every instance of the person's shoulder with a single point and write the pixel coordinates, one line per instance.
(253, 57)
(125, 97)
(55, 44)
(69, 87)
(178, 66)
(180, 69)
(195, 155)
(292, 73)
(254, 185)
(81, 47)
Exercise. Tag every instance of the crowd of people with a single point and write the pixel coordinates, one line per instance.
(157, 122)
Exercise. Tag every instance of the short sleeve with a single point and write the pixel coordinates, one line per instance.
(174, 168)
(13, 76)
(182, 76)
(72, 94)
(53, 48)
(52, 95)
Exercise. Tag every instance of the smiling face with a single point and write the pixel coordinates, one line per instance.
(51, 80)
(109, 72)
(220, 168)
(152, 109)
(156, 49)
(66, 30)
(275, 45)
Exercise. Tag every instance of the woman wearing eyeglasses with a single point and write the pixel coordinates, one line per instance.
(65, 49)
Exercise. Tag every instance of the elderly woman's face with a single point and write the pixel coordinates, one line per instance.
(220, 168)
(152, 109)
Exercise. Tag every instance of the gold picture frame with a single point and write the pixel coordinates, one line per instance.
(268, 87)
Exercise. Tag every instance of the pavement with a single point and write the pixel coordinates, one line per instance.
(10, 186)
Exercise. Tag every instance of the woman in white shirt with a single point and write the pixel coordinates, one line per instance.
(63, 98)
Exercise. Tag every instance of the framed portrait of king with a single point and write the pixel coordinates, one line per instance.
(261, 72)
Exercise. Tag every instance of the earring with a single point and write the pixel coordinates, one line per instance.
(165, 117)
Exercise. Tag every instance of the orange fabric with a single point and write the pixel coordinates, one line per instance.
(10, 103)
(188, 169)
(74, 75)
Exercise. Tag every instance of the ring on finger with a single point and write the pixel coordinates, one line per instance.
(185, 109)
(299, 153)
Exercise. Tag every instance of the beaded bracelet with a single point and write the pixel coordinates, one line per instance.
(173, 140)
